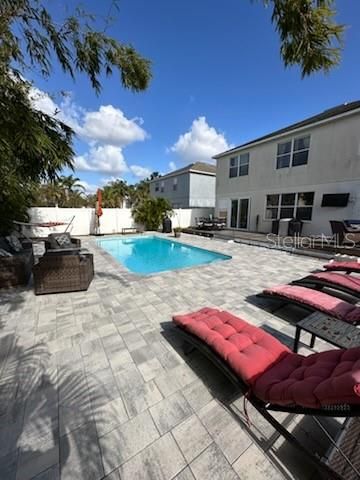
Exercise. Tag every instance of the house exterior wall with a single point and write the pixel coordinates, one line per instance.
(202, 190)
(179, 198)
(192, 190)
(333, 167)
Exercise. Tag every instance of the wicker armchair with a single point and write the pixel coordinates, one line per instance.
(16, 270)
(63, 273)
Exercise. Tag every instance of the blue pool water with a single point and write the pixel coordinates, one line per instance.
(149, 254)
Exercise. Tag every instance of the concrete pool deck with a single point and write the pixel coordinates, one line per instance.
(94, 385)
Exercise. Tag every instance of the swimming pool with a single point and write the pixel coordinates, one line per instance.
(150, 254)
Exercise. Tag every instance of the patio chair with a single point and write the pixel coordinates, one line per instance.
(344, 234)
(273, 378)
(63, 273)
(348, 267)
(15, 263)
(340, 282)
(314, 300)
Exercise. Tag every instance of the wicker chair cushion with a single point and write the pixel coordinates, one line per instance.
(338, 279)
(5, 253)
(59, 240)
(326, 378)
(248, 350)
(343, 266)
(14, 243)
(317, 300)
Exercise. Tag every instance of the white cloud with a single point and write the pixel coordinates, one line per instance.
(172, 166)
(200, 143)
(140, 172)
(106, 130)
(110, 126)
(102, 158)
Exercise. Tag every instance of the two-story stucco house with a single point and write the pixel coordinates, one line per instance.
(309, 170)
(189, 187)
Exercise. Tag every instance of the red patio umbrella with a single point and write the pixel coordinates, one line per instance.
(98, 210)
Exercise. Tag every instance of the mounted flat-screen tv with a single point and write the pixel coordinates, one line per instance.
(335, 200)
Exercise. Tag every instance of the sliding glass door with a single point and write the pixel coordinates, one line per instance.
(234, 213)
(240, 213)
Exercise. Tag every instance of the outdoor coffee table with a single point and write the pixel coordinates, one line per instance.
(336, 332)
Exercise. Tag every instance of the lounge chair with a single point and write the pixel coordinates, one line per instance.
(348, 284)
(272, 377)
(349, 267)
(314, 300)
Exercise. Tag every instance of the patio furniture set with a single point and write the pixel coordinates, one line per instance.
(64, 267)
(275, 379)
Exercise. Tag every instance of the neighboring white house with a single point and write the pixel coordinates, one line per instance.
(189, 187)
(309, 170)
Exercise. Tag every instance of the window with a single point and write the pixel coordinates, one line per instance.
(283, 155)
(234, 164)
(243, 164)
(239, 166)
(162, 187)
(293, 153)
(175, 181)
(156, 186)
(289, 205)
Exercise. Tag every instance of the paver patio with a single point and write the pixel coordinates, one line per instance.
(93, 384)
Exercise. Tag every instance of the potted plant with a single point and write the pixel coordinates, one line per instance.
(177, 232)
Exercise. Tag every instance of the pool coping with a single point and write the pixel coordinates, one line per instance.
(136, 276)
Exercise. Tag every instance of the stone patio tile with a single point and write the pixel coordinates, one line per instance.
(133, 340)
(142, 354)
(253, 463)
(115, 475)
(140, 397)
(80, 455)
(161, 460)
(150, 369)
(124, 442)
(120, 359)
(109, 416)
(185, 474)
(192, 437)
(8, 464)
(170, 412)
(212, 464)
(197, 395)
(226, 431)
(176, 378)
(52, 473)
(34, 461)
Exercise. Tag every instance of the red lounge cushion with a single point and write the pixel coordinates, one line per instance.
(326, 378)
(247, 349)
(318, 300)
(343, 266)
(338, 279)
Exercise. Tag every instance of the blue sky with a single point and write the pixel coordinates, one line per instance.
(218, 81)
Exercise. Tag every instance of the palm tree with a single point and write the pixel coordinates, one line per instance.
(70, 185)
(114, 193)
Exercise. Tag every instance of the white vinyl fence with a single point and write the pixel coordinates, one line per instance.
(113, 220)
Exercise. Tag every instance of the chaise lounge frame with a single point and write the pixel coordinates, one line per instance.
(319, 284)
(344, 411)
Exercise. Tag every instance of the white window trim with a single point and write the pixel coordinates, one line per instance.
(237, 166)
(292, 151)
(287, 206)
